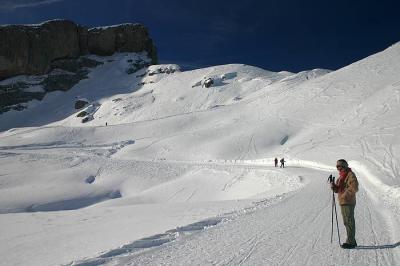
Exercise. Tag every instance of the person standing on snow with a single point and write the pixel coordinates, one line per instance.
(347, 186)
(276, 162)
(282, 163)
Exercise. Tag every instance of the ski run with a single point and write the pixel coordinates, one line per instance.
(168, 171)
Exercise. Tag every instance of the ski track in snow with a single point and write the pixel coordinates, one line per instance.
(292, 229)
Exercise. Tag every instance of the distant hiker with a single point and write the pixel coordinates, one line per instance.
(276, 162)
(346, 186)
(106, 123)
(282, 163)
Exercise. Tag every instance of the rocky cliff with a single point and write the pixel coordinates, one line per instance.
(31, 49)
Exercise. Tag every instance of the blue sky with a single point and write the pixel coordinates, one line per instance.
(275, 35)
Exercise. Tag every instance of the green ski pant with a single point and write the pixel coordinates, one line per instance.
(349, 222)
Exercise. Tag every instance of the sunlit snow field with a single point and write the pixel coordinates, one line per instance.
(171, 172)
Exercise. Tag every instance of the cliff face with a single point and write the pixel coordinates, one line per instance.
(121, 38)
(30, 49)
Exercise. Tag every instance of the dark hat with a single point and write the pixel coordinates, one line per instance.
(342, 163)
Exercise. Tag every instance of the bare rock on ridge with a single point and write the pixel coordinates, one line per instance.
(30, 49)
(121, 38)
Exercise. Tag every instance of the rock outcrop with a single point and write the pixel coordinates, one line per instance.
(63, 75)
(31, 49)
(80, 103)
(121, 38)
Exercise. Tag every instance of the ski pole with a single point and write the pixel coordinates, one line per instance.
(337, 224)
(333, 199)
(331, 180)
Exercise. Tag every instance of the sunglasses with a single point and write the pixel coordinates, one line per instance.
(339, 167)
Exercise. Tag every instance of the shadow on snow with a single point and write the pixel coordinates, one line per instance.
(388, 246)
(150, 242)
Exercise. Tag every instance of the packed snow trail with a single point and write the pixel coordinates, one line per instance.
(293, 231)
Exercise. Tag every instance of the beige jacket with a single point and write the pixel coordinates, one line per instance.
(348, 195)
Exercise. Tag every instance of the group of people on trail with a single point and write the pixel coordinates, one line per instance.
(282, 162)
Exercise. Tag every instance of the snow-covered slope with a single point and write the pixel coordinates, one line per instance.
(162, 150)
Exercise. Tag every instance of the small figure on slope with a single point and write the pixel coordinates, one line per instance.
(282, 162)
